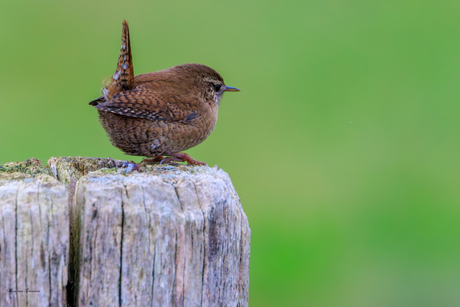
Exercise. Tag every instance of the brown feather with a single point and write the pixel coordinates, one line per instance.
(144, 103)
(123, 78)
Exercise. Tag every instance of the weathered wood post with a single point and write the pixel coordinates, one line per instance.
(34, 237)
(168, 236)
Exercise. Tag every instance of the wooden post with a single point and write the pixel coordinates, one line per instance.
(168, 236)
(34, 237)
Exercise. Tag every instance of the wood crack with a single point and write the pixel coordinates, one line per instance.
(178, 197)
(16, 244)
(121, 248)
(48, 246)
(204, 243)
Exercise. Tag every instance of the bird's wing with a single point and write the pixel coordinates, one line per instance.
(144, 103)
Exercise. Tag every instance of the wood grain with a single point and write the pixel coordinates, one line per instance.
(34, 241)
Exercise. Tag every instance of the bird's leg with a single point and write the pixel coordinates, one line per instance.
(155, 160)
(171, 159)
(182, 157)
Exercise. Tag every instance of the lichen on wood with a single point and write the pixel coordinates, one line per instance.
(24, 169)
(65, 168)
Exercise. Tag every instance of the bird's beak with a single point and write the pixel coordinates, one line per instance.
(231, 89)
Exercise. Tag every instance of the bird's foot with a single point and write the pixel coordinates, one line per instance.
(152, 161)
(181, 157)
(128, 167)
(171, 159)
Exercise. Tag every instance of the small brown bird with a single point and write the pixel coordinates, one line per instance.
(160, 113)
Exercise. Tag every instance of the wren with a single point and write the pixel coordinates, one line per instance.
(160, 113)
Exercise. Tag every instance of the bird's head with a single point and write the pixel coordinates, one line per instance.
(208, 81)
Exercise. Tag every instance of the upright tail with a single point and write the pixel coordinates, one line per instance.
(123, 78)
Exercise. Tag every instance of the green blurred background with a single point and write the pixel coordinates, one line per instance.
(343, 143)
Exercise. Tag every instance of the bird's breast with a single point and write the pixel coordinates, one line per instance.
(144, 137)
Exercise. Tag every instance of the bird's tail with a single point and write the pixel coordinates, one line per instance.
(123, 78)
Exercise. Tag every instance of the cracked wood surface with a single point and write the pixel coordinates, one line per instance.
(175, 239)
(168, 236)
(34, 240)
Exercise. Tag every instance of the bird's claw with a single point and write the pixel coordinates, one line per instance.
(170, 159)
(128, 167)
(182, 157)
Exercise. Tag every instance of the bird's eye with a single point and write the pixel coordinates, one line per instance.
(217, 87)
